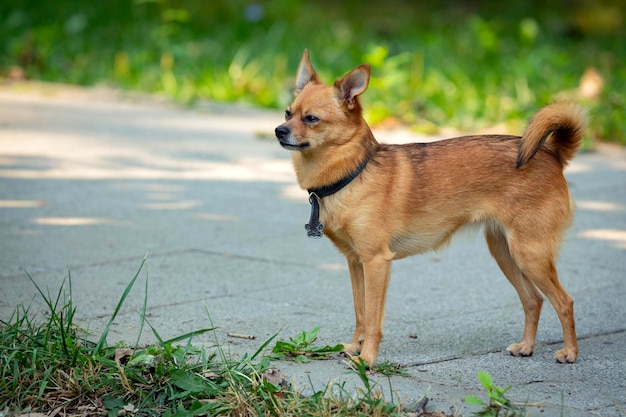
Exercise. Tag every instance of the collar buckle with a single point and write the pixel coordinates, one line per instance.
(315, 229)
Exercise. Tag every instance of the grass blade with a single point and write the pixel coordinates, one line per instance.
(130, 285)
(143, 312)
(190, 335)
(264, 345)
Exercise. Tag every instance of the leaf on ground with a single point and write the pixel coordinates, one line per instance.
(192, 383)
(122, 353)
(112, 403)
(274, 376)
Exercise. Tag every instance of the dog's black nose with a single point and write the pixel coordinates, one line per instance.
(282, 132)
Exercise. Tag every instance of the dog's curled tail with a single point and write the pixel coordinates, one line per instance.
(559, 127)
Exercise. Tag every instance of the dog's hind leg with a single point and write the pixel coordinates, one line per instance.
(358, 295)
(537, 262)
(529, 296)
(535, 256)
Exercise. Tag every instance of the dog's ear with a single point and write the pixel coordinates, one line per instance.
(353, 84)
(306, 73)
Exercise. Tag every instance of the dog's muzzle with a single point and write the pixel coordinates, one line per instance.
(287, 140)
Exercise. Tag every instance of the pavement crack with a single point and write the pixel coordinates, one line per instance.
(155, 255)
(500, 350)
(599, 334)
(251, 258)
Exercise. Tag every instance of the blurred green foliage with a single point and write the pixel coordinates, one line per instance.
(464, 64)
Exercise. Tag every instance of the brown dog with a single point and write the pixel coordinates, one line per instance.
(380, 202)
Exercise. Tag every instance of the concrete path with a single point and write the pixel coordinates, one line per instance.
(91, 181)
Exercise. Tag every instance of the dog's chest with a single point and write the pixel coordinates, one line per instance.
(351, 233)
(411, 244)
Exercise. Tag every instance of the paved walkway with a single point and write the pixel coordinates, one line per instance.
(91, 181)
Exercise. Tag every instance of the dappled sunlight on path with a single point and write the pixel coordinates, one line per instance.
(146, 142)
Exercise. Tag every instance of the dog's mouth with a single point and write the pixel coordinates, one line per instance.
(294, 147)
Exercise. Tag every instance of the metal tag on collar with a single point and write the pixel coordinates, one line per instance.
(314, 229)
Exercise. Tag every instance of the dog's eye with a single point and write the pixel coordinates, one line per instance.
(287, 114)
(311, 119)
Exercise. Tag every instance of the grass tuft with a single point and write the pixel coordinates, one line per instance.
(301, 348)
(51, 366)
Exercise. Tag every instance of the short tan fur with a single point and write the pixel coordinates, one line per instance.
(412, 198)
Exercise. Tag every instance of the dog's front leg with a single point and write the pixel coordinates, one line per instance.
(376, 279)
(358, 295)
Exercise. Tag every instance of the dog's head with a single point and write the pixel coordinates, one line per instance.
(322, 114)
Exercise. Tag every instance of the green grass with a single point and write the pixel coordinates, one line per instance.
(498, 404)
(463, 65)
(51, 365)
(301, 348)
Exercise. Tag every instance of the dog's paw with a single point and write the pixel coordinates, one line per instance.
(359, 360)
(566, 355)
(352, 348)
(520, 349)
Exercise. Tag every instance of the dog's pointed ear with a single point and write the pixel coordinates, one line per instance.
(353, 84)
(306, 73)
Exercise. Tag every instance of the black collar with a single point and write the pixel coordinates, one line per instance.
(315, 229)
